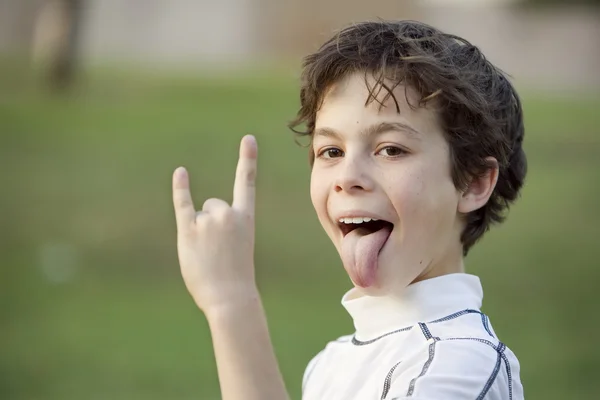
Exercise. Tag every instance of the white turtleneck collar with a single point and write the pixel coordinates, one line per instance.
(422, 301)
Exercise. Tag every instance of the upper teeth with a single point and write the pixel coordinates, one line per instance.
(356, 220)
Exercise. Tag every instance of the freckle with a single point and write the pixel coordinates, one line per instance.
(421, 262)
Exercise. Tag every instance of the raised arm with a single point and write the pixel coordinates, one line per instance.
(216, 256)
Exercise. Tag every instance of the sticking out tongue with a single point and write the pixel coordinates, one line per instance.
(360, 252)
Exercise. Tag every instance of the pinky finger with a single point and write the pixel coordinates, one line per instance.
(185, 214)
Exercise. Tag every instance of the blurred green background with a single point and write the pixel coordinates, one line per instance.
(93, 306)
(93, 303)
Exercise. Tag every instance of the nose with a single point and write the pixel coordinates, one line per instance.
(353, 177)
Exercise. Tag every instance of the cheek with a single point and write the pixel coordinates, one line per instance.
(409, 195)
(425, 198)
(318, 192)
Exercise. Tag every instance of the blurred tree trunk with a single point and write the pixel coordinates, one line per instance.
(62, 73)
(56, 39)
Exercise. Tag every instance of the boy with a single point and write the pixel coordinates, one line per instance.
(416, 148)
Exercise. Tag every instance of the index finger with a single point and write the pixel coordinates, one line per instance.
(244, 187)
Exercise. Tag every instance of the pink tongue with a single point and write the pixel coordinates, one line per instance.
(360, 251)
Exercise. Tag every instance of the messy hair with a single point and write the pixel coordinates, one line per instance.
(479, 110)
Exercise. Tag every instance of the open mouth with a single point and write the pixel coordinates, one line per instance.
(364, 226)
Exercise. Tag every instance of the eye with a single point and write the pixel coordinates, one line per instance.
(331, 152)
(391, 151)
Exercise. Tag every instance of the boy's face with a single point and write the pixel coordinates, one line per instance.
(377, 163)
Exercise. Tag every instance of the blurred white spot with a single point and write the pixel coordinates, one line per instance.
(58, 262)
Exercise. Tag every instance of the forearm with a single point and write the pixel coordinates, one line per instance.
(245, 358)
(215, 247)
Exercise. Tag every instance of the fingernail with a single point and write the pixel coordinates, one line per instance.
(251, 148)
(181, 172)
(252, 138)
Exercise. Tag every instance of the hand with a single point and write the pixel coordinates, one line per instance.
(216, 245)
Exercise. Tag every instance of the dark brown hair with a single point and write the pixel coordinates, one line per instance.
(479, 109)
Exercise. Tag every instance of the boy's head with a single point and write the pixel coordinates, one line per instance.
(413, 127)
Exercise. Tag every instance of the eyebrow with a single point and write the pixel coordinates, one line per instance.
(373, 130)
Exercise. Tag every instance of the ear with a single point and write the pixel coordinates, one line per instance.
(477, 194)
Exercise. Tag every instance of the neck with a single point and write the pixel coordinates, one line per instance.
(423, 301)
(447, 267)
(449, 261)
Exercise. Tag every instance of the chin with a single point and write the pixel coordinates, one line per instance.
(373, 290)
(393, 277)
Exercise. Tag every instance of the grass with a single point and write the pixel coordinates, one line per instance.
(93, 303)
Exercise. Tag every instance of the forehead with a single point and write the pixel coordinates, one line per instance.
(345, 106)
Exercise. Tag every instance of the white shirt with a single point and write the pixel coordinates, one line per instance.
(429, 343)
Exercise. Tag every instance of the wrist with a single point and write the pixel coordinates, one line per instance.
(236, 304)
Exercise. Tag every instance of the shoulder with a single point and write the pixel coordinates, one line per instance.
(458, 368)
(310, 367)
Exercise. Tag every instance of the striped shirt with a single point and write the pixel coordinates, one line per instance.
(430, 343)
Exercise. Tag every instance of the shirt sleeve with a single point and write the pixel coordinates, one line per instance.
(309, 369)
(457, 369)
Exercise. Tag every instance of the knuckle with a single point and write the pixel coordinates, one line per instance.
(251, 176)
(201, 218)
(248, 175)
(226, 215)
(214, 205)
(208, 203)
(183, 202)
(202, 221)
